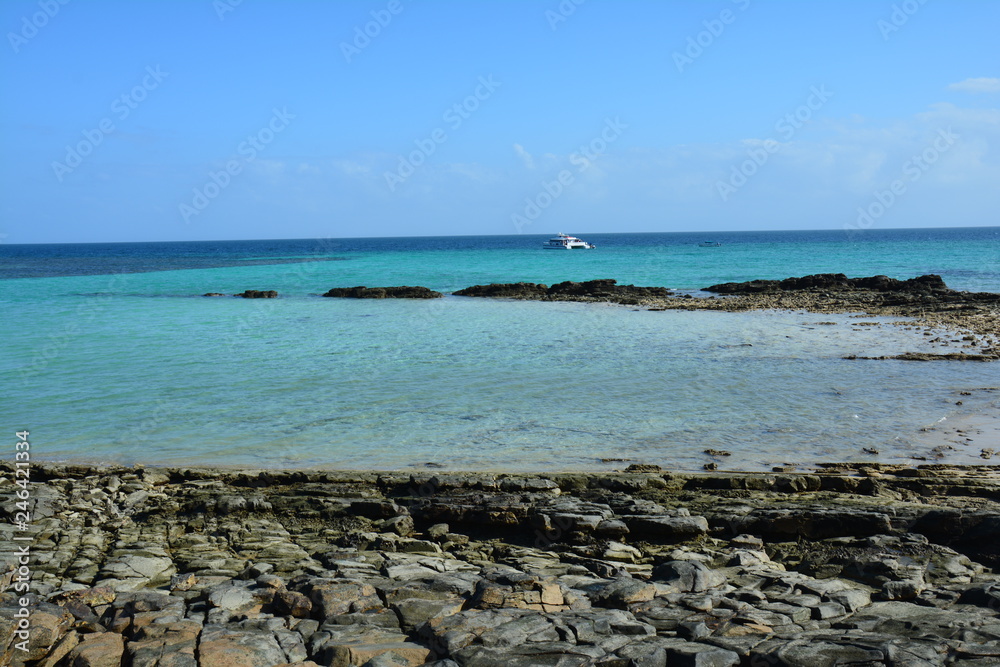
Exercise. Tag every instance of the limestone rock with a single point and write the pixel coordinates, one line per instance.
(104, 649)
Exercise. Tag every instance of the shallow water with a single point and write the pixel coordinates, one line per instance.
(136, 368)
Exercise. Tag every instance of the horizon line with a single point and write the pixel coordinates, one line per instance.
(440, 236)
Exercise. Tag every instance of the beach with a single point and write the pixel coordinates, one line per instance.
(855, 564)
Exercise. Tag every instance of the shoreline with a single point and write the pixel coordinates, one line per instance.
(925, 299)
(855, 561)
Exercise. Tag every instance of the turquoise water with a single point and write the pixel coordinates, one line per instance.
(137, 368)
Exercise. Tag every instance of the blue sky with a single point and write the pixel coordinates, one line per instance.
(197, 120)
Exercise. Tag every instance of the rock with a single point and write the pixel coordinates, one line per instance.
(69, 641)
(132, 572)
(818, 652)
(222, 646)
(103, 649)
(343, 647)
(562, 654)
(644, 467)
(48, 625)
(92, 597)
(165, 644)
(331, 598)
(258, 294)
(827, 610)
(621, 592)
(611, 529)
(902, 590)
(812, 524)
(690, 654)
(528, 484)
(687, 576)
(624, 553)
(414, 612)
(833, 281)
(183, 582)
(402, 292)
(693, 630)
(593, 290)
(376, 509)
(232, 596)
(438, 531)
(506, 290)
(851, 599)
(668, 528)
(291, 603)
(401, 525)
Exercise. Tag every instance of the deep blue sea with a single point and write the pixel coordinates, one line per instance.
(111, 354)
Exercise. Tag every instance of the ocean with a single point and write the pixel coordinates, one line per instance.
(111, 354)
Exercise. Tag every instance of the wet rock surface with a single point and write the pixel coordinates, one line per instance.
(257, 294)
(837, 281)
(592, 290)
(400, 292)
(852, 565)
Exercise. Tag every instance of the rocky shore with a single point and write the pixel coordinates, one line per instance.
(856, 564)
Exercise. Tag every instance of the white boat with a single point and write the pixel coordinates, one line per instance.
(565, 242)
(709, 244)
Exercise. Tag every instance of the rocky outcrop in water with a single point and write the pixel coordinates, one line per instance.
(401, 292)
(591, 290)
(258, 294)
(930, 356)
(506, 291)
(859, 564)
(834, 281)
(975, 317)
(249, 294)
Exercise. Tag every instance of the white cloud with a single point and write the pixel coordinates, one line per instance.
(977, 85)
(529, 161)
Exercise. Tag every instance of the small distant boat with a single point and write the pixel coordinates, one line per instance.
(709, 244)
(565, 242)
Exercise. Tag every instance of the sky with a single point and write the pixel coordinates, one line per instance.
(257, 119)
